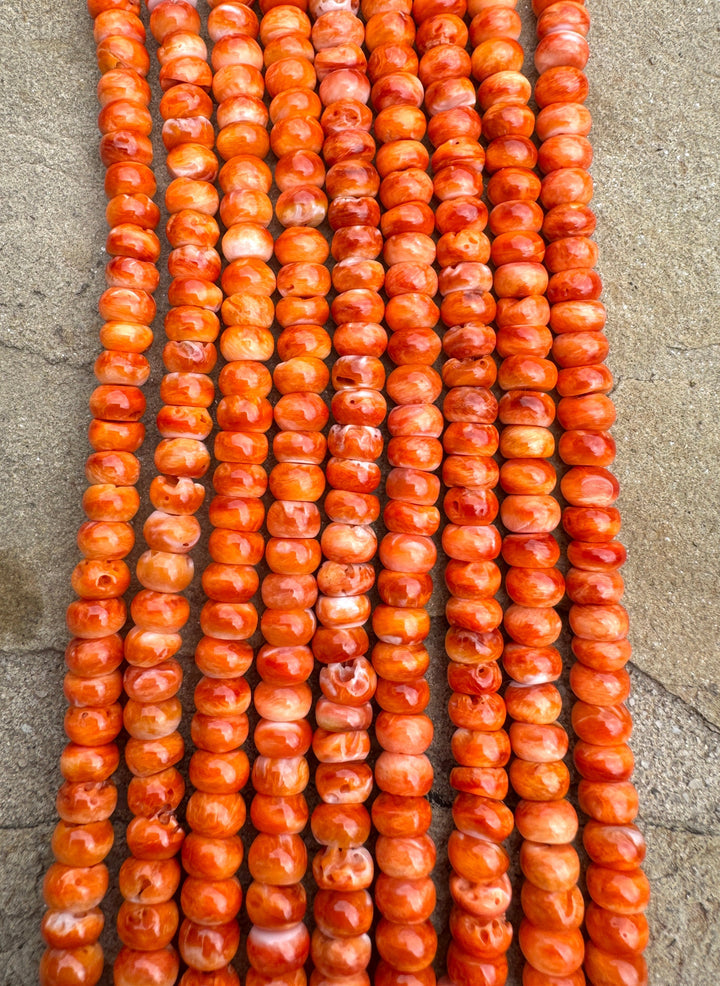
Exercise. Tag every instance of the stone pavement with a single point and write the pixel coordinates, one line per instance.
(654, 88)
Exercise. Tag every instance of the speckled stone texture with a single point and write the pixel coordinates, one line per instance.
(654, 97)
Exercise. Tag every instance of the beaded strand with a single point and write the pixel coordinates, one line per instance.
(77, 881)
(148, 917)
(279, 943)
(549, 935)
(219, 768)
(479, 885)
(615, 922)
(343, 909)
(405, 854)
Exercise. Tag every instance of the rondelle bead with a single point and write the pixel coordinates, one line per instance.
(606, 967)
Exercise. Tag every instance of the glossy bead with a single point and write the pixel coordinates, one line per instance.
(621, 934)
(605, 967)
(551, 868)
(409, 948)
(82, 965)
(551, 952)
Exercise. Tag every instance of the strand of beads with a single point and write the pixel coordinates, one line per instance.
(479, 884)
(549, 935)
(148, 916)
(77, 881)
(343, 868)
(219, 768)
(618, 889)
(405, 853)
(278, 944)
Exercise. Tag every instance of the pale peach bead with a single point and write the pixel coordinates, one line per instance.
(547, 822)
(168, 532)
(400, 773)
(237, 50)
(344, 84)
(343, 869)
(341, 747)
(247, 240)
(335, 717)
(349, 611)
(349, 543)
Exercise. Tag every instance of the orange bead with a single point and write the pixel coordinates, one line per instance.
(605, 967)
(409, 948)
(554, 911)
(622, 893)
(554, 953)
(274, 952)
(482, 939)
(466, 968)
(275, 907)
(486, 900)
(143, 926)
(622, 934)
(74, 889)
(80, 966)
(208, 948)
(617, 846)
(476, 859)
(551, 868)
(82, 845)
(211, 858)
(158, 966)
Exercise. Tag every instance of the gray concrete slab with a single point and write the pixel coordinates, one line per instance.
(654, 97)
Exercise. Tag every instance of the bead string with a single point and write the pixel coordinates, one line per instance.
(343, 910)
(77, 881)
(148, 917)
(405, 938)
(479, 885)
(279, 943)
(618, 889)
(219, 767)
(549, 935)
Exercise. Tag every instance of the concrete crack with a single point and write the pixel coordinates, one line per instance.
(712, 726)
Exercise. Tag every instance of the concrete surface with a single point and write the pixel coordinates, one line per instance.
(654, 77)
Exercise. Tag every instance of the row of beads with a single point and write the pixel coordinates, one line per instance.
(405, 853)
(148, 917)
(278, 944)
(479, 886)
(76, 883)
(213, 851)
(618, 889)
(341, 947)
(549, 935)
